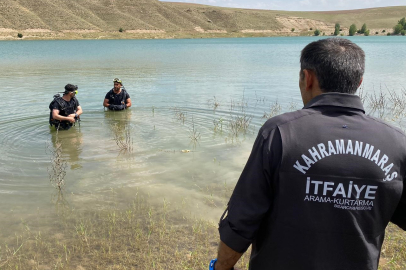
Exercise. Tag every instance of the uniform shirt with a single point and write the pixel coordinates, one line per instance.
(117, 99)
(70, 107)
(319, 188)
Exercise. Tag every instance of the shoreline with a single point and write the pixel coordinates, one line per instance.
(44, 34)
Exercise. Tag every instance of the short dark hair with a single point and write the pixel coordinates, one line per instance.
(338, 63)
(70, 88)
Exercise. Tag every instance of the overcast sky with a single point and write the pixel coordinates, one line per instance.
(299, 5)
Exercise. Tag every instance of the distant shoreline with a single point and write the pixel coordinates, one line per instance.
(37, 34)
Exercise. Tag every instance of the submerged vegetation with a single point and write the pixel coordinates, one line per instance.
(137, 236)
(57, 169)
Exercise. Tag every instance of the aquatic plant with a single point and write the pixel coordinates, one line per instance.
(275, 109)
(122, 137)
(179, 115)
(213, 103)
(194, 135)
(57, 170)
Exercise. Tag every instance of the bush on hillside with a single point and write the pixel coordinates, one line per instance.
(403, 32)
(397, 29)
(121, 30)
(388, 34)
(402, 21)
(311, 28)
(363, 29)
(366, 33)
(337, 29)
(376, 33)
(19, 35)
(317, 32)
(353, 29)
(383, 31)
(293, 29)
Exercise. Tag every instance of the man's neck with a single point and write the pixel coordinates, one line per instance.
(117, 91)
(66, 97)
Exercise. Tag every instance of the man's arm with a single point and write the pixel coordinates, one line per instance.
(399, 217)
(79, 111)
(56, 116)
(106, 103)
(226, 257)
(251, 199)
(128, 103)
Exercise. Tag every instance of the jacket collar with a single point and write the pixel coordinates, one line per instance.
(336, 99)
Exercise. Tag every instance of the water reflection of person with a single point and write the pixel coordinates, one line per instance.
(71, 145)
(122, 119)
(120, 126)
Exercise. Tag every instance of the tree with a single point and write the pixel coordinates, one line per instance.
(353, 29)
(317, 32)
(366, 33)
(293, 29)
(403, 32)
(19, 35)
(363, 28)
(402, 21)
(337, 29)
(397, 29)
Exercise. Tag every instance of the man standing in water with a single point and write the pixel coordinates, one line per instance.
(322, 183)
(117, 99)
(65, 110)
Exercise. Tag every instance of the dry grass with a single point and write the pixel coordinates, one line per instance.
(393, 250)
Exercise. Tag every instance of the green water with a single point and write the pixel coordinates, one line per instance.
(175, 86)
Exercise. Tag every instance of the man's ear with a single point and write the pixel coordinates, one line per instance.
(309, 79)
(362, 78)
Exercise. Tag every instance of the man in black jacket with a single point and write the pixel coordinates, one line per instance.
(321, 183)
(65, 110)
(117, 99)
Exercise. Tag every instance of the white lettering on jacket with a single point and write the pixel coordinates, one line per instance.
(346, 147)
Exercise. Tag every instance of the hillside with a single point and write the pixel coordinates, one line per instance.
(65, 19)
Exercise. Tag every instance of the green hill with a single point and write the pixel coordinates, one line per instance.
(59, 19)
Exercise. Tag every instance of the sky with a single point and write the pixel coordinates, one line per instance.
(298, 5)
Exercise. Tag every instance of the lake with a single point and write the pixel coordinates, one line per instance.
(187, 97)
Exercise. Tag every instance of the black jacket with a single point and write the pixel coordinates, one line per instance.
(319, 189)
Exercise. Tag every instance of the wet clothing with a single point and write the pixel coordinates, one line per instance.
(319, 189)
(117, 101)
(65, 108)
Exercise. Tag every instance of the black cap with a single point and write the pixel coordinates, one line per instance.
(70, 87)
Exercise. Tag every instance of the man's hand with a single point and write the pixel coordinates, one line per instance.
(226, 257)
(117, 107)
(71, 119)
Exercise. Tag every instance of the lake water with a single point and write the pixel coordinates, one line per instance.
(176, 86)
